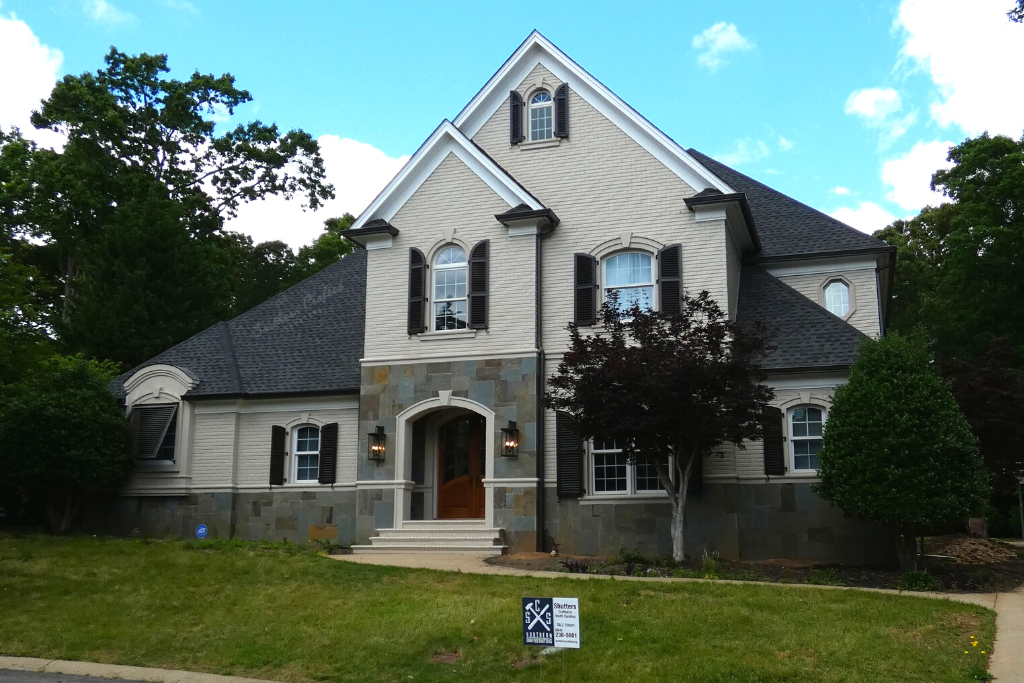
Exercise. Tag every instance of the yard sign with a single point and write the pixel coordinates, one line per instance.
(551, 622)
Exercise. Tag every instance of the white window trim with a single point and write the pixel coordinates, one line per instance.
(434, 270)
(653, 284)
(850, 289)
(530, 107)
(294, 479)
(790, 448)
(631, 493)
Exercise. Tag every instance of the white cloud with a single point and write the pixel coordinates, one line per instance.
(23, 87)
(716, 42)
(745, 152)
(784, 144)
(103, 12)
(182, 5)
(867, 217)
(879, 108)
(972, 53)
(910, 175)
(840, 190)
(358, 172)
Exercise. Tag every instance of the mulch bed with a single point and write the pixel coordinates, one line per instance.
(957, 563)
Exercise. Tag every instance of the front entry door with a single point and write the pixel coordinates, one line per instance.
(461, 469)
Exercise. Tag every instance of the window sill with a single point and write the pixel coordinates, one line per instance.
(619, 498)
(438, 335)
(156, 466)
(539, 144)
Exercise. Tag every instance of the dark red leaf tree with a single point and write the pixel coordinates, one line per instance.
(669, 387)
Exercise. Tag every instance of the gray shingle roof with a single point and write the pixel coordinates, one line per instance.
(307, 339)
(806, 335)
(788, 227)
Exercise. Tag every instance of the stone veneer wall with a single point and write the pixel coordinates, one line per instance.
(506, 385)
(740, 521)
(273, 515)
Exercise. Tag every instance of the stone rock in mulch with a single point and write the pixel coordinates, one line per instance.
(968, 550)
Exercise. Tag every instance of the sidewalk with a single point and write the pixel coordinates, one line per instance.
(1006, 662)
(124, 673)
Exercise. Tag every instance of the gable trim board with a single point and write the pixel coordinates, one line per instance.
(537, 49)
(446, 139)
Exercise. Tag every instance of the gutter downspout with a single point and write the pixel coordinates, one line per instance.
(541, 531)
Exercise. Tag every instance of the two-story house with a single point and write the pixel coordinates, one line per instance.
(394, 401)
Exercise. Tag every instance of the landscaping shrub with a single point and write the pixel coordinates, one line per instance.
(918, 581)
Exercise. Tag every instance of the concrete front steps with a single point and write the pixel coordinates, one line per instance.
(469, 536)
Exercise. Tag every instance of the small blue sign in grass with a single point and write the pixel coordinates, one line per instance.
(201, 531)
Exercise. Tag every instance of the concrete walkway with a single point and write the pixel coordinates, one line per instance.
(63, 671)
(1006, 662)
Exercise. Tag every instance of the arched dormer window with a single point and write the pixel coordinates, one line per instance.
(306, 454)
(541, 118)
(449, 290)
(806, 425)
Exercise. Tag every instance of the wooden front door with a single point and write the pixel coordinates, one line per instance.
(461, 469)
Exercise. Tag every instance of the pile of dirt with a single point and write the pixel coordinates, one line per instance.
(970, 550)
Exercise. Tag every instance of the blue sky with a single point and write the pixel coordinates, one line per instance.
(846, 106)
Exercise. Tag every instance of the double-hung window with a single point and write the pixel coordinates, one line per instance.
(540, 116)
(805, 430)
(306, 454)
(450, 289)
(612, 473)
(631, 276)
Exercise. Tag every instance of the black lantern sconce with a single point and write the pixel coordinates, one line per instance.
(510, 440)
(376, 441)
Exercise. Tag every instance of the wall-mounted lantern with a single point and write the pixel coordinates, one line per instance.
(376, 441)
(510, 440)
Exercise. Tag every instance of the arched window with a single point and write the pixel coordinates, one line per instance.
(450, 289)
(306, 454)
(631, 275)
(837, 298)
(805, 430)
(540, 116)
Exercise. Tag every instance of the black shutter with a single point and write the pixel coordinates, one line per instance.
(696, 484)
(147, 427)
(562, 111)
(670, 278)
(774, 448)
(568, 456)
(277, 438)
(478, 265)
(417, 287)
(515, 118)
(585, 283)
(329, 453)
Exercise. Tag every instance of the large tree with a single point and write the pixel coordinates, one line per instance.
(897, 450)
(671, 388)
(138, 195)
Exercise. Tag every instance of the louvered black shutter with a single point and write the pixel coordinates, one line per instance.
(328, 453)
(478, 266)
(562, 111)
(670, 278)
(277, 438)
(417, 285)
(696, 484)
(585, 282)
(515, 118)
(774, 448)
(147, 427)
(568, 457)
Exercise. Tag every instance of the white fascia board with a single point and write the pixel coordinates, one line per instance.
(446, 139)
(537, 49)
(822, 266)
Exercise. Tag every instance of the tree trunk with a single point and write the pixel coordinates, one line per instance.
(61, 510)
(906, 549)
(679, 510)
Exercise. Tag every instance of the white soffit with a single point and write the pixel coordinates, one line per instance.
(446, 139)
(537, 49)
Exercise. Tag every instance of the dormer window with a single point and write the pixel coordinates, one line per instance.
(541, 118)
(449, 293)
(837, 298)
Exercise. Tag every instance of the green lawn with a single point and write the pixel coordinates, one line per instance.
(273, 612)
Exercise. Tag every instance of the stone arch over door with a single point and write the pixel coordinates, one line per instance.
(403, 450)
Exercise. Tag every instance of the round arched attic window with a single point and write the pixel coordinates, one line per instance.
(541, 107)
(837, 298)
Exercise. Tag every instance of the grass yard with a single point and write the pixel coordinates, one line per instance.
(272, 611)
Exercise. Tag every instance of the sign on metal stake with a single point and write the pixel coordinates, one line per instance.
(551, 622)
